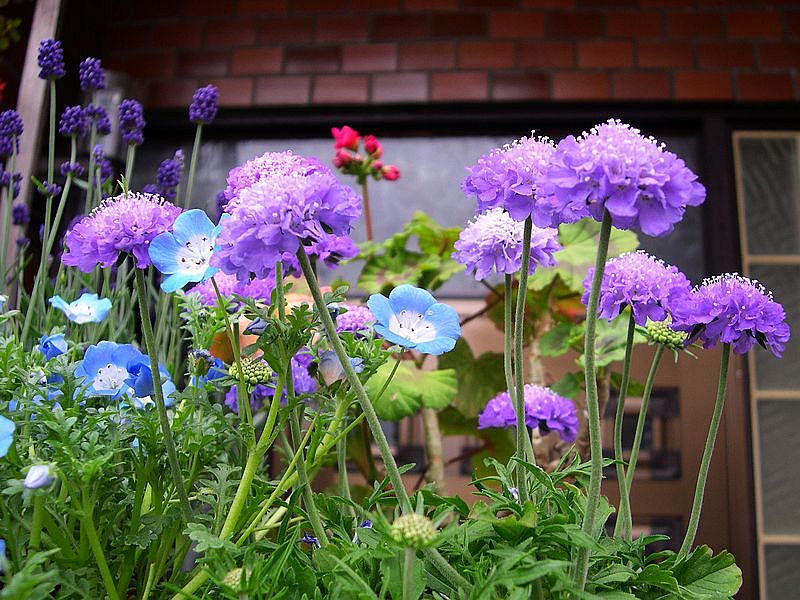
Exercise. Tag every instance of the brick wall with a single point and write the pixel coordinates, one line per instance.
(301, 52)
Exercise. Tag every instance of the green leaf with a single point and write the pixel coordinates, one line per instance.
(569, 385)
(438, 388)
(402, 396)
(709, 576)
(560, 339)
(207, 540)
(478, 380)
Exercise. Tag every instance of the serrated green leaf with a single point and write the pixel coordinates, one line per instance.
(707, 576)
(206, 540)
(402, 396)
(560, 339)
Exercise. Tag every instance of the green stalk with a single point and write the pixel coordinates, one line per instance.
(51, 141)
(130, 157)
(524, 450)
(193, 165)
(409, 561)
(637, 436)
(508, 319)
(169, 443)
(624, 501)
(581, 562)
(365, 204)
(36, 524)
(87, 523)
(343, 482)
(705, 462)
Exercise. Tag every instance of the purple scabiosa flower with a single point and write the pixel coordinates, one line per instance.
(354, 319)
(544, 409)
(73, 121)
(507, 178)
(203, 108)
(51, 60)
(67, 168)
(168, 178)
(131, 122)
(20, 214)
(735, 310)
(221, 202)
(91, 74)
(97, 114)
(124, 224)
(614, 167)
(277, 203)
(493, 242)
(636, 279)
(10, 131)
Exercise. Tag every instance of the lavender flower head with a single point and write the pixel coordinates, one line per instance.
(507, 178)
(131, 122)
(636, 279)
(278, 202)
(613, 167)
(73, 122)
(733, 310)
(97, 114)
(492, 241)
(355, 319)
(203, 108)
(257, 289)
(124, 224)
(20, 214)
(10, 132)
(168, 177)
(91, 75)
(51, 60)
(544, 409)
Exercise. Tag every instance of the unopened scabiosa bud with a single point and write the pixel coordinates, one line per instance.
(661, 333)
(91, 75)
(204, 105)
(390, 173)
(373, 146)
(413, 530)
(73, 122)
(38, 476)
(255, 370)
(51, 60)
(20, 214)
(131, 122)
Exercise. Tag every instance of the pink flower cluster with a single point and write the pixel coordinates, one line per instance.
(350, 161)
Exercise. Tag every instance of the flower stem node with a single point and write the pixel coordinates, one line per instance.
(254, 371)
(413, 531)
(661, 333)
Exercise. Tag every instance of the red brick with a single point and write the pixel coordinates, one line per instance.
(758, 86)
(459, 86)
(256, 61)
(427, 55)
(605, 53)
(369, 57)
(705, 85)
(340, 89)
(400, 87)
(202, 64)
(564, 4)
(580, 85)
(510, 86)
(574, 25)
(694, 24)
(400, 27)
(493, 4)
(128, 37)
(666, 3)
(171, 93)
(792, 24)
(369, 5)
(239, 32)
(725, 54)
(636, 24)
(639, 85)
(785, 55)
(289, 89)
(756, 24)
(234, 91)
(485, 55)
(209, 8)
(184, 34)
(257, 7)
(150, 65)
(547, 54)
(320, 59)
(664, 54)
(341, 28)
(296, 30)
(317, 5)
(458, 25)
(430, 4)
(516, 24)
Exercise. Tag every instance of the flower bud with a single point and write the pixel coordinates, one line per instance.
(373, 146)
(377, 165)
(390, 173)
(413, 530)
(346, 137)
(38, 476)
(254, 371)
(342, 158)
(661, 333)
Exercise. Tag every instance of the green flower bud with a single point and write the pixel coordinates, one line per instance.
(233, 578)
(255, 371)
(413, 530)
(661, 333)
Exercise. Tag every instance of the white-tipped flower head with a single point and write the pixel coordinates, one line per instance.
(413, 530)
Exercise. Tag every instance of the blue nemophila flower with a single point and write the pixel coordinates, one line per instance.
(331, 369)
(6, 435)
(411, 317)
(52, 345)
(89, 308)
(105, 368)
(142, 385)
(38, 476)
(183, 255)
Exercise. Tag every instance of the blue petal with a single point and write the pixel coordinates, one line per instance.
(445, 319)
(124, 354)
(6, 435)
(389, 336)
(380, 307)
(102, 308)
(175, 282)
(437, 346)
(194, 222)
(408, 297)
(94, 358)
(163, 252)
(59, 303)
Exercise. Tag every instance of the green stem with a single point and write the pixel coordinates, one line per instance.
(343, 481)
(581, 563)
(624, 501)
(130, 157)
(169, 443)
(193, 165)
(36, 524)
(524, 450)
(365, 204)
(51, 141)
(637, 436)
(508, 337)
(87, 523)
(705, 462)
(409, 562)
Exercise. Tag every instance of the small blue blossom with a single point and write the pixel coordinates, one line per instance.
(183, 255)
(412, 318)
(331, 368)
(38, 476)
(53, 345)
(310, 540)
(6, 435)
(366, 524)
(105, 368)
(142, 385)
(89, 308)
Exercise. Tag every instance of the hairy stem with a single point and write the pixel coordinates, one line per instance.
(624, 500)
